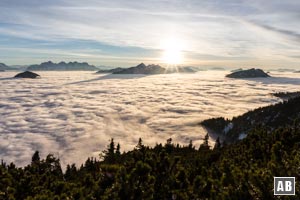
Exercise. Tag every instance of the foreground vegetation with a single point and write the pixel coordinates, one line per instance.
(243, 170)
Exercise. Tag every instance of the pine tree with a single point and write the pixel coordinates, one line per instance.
(118, 152)
(35, 157)
(217, 144)
(140, 145)
(191, 145)
(205, 145)
(109, 154)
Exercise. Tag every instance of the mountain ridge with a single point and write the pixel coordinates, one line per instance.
(270, 117)
(62, 66)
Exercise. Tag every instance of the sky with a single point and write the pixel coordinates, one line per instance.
(238, 33)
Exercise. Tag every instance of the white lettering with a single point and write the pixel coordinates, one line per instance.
(288, 186)
(280, 186)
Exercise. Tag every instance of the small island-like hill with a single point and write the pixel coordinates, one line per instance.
(249, 73)
(27, 74)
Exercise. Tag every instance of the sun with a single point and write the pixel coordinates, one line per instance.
(172, 51)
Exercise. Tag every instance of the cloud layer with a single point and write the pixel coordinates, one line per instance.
(218, 32)
(73, 115)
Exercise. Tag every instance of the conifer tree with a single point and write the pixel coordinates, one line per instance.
(205, 145)
(217, 144)
(35, 157)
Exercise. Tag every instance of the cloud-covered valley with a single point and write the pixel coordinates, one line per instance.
(74, 114)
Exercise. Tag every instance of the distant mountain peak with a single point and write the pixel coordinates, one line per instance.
(143, 69)
(4, 67)
(141, 65)
(62, 66)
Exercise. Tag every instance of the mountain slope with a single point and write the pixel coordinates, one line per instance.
(4, 67)
(108, 71)
(143, 69)
(270, 117)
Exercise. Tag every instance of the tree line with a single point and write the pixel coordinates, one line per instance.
(243, 170)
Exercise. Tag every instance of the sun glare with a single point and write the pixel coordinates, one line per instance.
(172, 52)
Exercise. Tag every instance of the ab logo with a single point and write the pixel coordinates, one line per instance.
(284, 185)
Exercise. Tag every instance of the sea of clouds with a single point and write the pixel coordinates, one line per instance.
(74, 114)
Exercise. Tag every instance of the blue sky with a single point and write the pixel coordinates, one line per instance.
(264, 33)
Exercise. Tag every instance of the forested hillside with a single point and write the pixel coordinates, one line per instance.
(243, 170)
(270, 117)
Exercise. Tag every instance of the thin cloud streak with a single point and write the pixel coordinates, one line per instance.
(215, 28)
(294, 35)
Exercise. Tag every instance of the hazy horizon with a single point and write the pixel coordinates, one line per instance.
(165, 65)
(233, 33)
